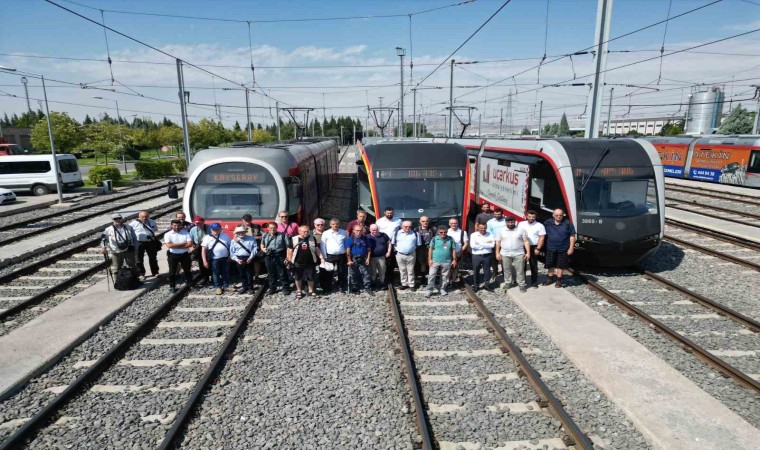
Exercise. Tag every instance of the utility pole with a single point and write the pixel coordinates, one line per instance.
(248, 117)
(480, 117)
(414, 112)
(353, 139)
(26, 91)
(398, 129)
(501, 121)
(686, 117)
(756, 126)
(540, 116)
(609, 111)
(601, 36)
(401, 52)
(324, 115)
(451, 101)
(509, 113)
(277, 109)
(183, 111)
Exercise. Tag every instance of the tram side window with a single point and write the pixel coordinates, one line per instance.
(754, 162)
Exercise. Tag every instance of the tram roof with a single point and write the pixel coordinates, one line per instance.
(387, 155)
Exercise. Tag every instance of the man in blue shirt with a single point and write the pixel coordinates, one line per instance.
(381, 250)
(406, 242)
(358, 253)
(560, 242)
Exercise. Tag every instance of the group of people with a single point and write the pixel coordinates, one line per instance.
(360, 258)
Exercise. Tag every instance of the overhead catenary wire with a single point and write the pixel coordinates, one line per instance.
(664, 35)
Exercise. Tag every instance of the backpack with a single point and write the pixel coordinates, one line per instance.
(125, 279)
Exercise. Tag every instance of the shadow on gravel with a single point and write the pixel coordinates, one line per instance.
(667, 258)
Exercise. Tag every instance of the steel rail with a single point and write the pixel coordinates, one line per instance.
(65, 211)
(750, 323)
(714, 234)
(74, 220)
(717, 208)
(717, 254)
(420, 413)
(213, 370)
(716, 194)
(689, 345)
(40, 296)
(575, 436)
(10, 276)
(706, 214)
(31, 427)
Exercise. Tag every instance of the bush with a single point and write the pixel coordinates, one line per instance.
(100, 173)
(180, 165)
(151, 170)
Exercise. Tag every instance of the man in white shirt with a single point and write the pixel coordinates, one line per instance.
(461, 242)
(145, 231)
(216, 256)
(388, 224)
(482, 244)
(514, 248)
(333, 249)
(536, 235)
(494, 227)
(178, 241)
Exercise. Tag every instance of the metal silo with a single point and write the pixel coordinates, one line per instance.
(705, 110)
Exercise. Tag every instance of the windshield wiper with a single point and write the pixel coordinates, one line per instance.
(596, 166)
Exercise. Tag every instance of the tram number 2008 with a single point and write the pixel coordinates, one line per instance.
(592, 221)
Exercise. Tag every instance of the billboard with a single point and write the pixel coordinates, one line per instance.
(673, 158)
(504, 186)
(720, 163)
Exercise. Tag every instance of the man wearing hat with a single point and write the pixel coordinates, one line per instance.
(216, 254)
(120, 240)
(243, 250)
(513, 247)
(197, 233)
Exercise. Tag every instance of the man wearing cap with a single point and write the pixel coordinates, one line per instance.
(513, 246)
(243, 250)
(178, 242)
(145, 231)
(120, 241)
(197, 233)
(216, 254)
(305, 255)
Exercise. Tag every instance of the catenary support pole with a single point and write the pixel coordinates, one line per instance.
(501, 121)
(414, 112)
(540, 116)
(451, 101)
(601, 36)
(609, 111)
(277, 121)
(183, 111)
(26, 91)
(756, 126)
(57, 174)
(248, 117)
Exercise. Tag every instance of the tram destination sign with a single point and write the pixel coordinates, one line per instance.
(235, 176)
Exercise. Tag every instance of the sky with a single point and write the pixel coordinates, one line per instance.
(303, 62)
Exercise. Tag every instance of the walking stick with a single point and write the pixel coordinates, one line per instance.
(109, 273)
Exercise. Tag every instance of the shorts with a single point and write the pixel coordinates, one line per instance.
(305, 273)
(557, 259)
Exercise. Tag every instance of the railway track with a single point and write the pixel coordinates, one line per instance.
(24, 229)
(711, 193)
(748, 219)
(429, 353)
(45, 279)
(679, 314)
(114, 388)
(742, 251)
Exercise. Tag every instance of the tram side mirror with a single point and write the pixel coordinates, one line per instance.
(172, 192)
(295, 191)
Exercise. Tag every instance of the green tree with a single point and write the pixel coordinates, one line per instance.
(525, 131)
(738, 122)
(672, 129)
(206, 133)
(564, 128)
(104, 138)
(260, 135)
(66, 132)
(632, 133)
(169, 135)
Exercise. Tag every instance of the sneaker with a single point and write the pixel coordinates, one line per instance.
(242, 291)
(312, 294)
(219, 291)
(237, 285)
(523, 289)
(428, 293)
(558, 284)
(444, 293)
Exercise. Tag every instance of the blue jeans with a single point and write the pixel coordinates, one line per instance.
(360, 272)
(220, 270)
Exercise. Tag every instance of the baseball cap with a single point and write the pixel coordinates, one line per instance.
(216, 226)
(116, 215)
(240, 229)
(197, 219)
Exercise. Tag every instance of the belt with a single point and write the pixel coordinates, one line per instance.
(405, 254)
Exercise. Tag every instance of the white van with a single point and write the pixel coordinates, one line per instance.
(35, 172)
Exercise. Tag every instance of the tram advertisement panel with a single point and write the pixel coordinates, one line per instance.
(505, 186)
(673, 158)
(719, 163)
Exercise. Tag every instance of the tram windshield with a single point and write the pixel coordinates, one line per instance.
(618, 197)
(421, 192)
(227, 191)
